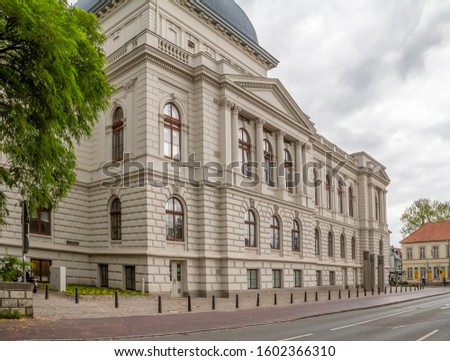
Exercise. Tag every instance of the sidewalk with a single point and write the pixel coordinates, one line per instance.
(60, 318)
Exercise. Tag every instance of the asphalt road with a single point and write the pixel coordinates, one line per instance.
(418, 320)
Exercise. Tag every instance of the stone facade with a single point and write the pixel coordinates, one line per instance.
(173, 52)
(16, 297)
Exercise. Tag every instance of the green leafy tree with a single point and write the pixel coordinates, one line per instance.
(53, 85)
(11, 268)
(423, 211)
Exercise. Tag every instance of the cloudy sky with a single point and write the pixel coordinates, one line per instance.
(373, 75)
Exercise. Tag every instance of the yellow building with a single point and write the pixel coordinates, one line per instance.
(426, 253)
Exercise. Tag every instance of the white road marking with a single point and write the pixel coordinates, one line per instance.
(371, 320)
(432, 304)
(427, 335)
(296, 337)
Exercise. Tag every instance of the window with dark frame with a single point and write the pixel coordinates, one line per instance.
(316, 242)
(289, 171)
(41, 269)
(275, 232)
(350, 202)
(130, 277)
(297, 278)
(40, 221)
(116, 220)
(268, 164)
(174, 220)
(328, 191)
(172, 132)
(341, 197)
(104, 275)
(276, 278)
(342, 241)
(117, 140)
(422, 252)
(332, 278)
(330, 244)
(252, 279)
(316, 187)
(250, 229)
(295, 236)
(353, 248)
(319, 278)
(245, 147)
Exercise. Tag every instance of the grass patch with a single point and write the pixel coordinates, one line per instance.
(98, 291)
(10, 315)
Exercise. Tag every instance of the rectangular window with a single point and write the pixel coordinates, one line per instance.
(252, 279)
(422, 252)
(436, 273)
(319, 278)
(423, 272)
(297, 278)
(41, 269)
(40, 221)
(409, 253)
(332, 278)
(410, 273)
(103, 275)
(276, 278)
(435, 252)
(130, 277)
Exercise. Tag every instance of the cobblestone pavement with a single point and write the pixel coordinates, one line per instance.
(60, 317)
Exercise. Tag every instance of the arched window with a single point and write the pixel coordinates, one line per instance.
(341, 196)
(316, 242)
(289, 171)
(328, 191)
(250, 229)
(244, 149)
(295, 236)
(116, 220)
(350, 201)
(342, 244)
(316, 187)
(117, 140)
(172, 132)
(353, 248)
(275, 233)
(174, 220)
(268, 164)
(330, 245)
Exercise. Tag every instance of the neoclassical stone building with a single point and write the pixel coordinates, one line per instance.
(205, 176)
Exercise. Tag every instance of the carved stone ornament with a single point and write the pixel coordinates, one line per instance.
(252, 203)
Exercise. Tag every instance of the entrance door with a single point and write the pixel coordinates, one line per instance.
(176, 278)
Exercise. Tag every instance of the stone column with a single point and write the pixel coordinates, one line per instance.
(384, 206)
(281, 179)
(260, 148)
(381, 272)
(225, 130)
(130, 125)
(366, 270)
(234, 134)
(298, 167)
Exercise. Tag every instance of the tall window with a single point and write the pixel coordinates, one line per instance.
(174, 220)
(252, 279)
(316, 187)
(328, 191)
(409, 253)
(250, 229)
(40, 221)
(350, 201)
(332, 278)
(422, 252)
(244, 149)
(353, 248)
(341, 197)
(316, 242)
(295, 236)
(289, 171)
(330, 245)
(117, 141)
(172, 132)
(297, 278)
(435, 252)
(116, 220)
(268, 163)
(319, 278)
(342, 244)
(130, 277)
(276, 278)
(275, 231)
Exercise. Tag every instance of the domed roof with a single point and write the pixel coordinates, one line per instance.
(232, 13)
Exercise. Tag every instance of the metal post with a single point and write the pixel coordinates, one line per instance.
(213, 302)
(237, 301)
(357, 292)
(76, 295)
(275, 299)
(116, 300)
(46, 291)
(292, 298)
(365, 292)
(317, 296)
(339, 294)
(306, 296)
(329, 295)
(159, 305)
(189, 303)
(349, 293)
(257, 300)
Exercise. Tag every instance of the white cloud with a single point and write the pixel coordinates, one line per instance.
(373, 75)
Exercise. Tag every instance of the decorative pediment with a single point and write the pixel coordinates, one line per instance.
(273, 94)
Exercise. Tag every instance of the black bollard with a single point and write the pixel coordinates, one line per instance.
(116, 300)
(46, 292)
(306, 297)
(365, 292)
(275, 299)
(213, 302)
(189, 303)
(257, 300)
(292, 298)
(159, 305)
(237, 301)
(357, 292)
(76, 295)
(329, 295)
(379, 291)
(372, 292)
(317, 296)
(349, 293)
(339, 294)
(396, 289)
(385, 290)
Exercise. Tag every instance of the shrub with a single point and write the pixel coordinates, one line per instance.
(8, 314)
(11, 268)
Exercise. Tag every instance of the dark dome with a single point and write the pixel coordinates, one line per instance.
(231, 13)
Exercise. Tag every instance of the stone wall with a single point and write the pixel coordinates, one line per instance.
(16, 296)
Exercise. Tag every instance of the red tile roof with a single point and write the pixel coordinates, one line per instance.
(433, 231)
